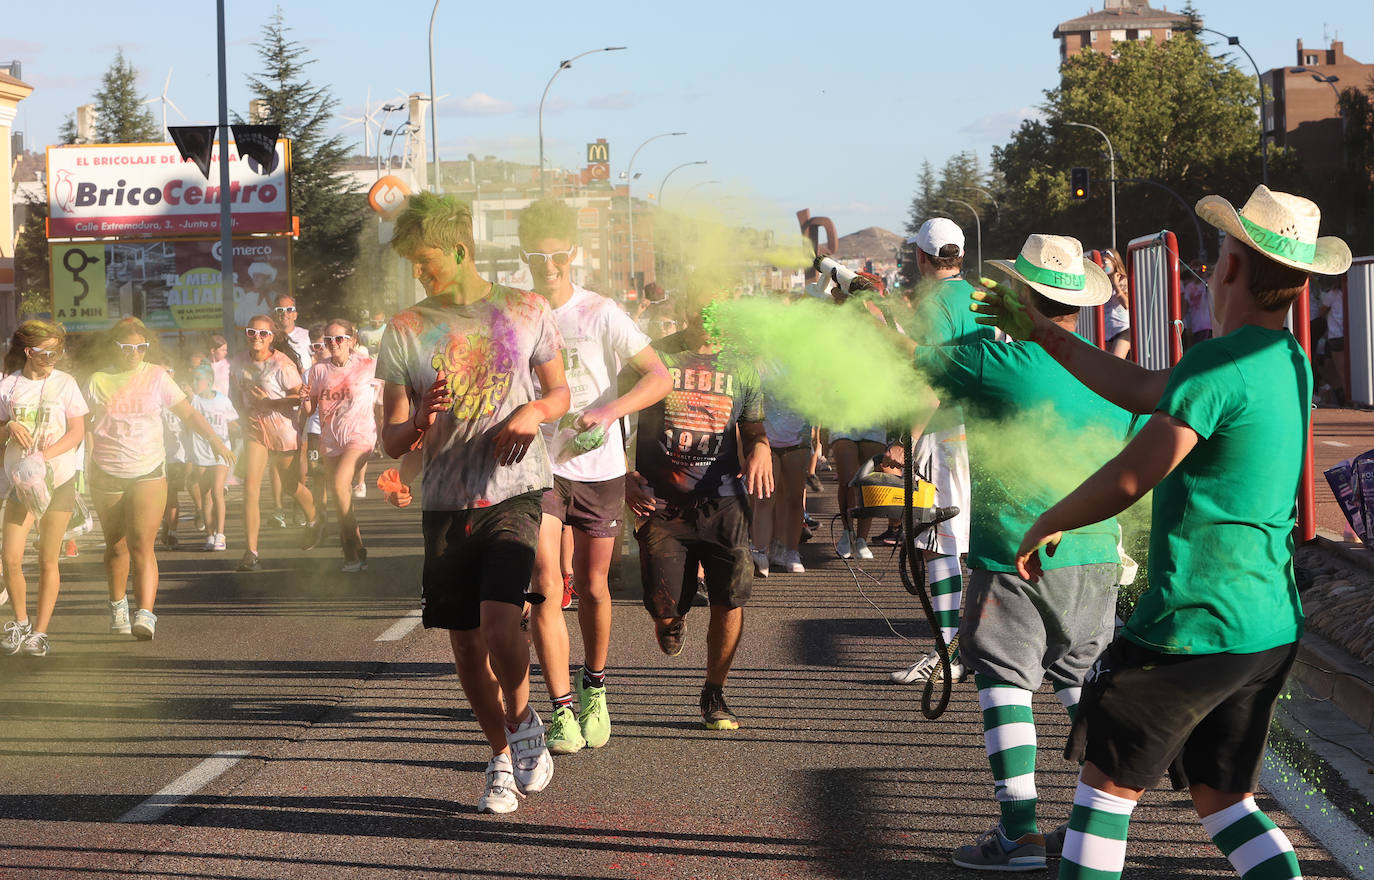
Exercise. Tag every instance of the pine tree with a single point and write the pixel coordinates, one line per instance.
(331, 217)
(121, 116)
(31, 279)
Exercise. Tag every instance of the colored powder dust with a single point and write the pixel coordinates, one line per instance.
(590, 439)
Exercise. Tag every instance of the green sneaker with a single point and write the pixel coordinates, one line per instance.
(564, 735)
(595, 720)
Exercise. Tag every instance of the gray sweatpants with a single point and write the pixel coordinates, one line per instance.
(1017, 631)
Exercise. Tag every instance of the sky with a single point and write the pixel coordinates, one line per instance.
(829, 107)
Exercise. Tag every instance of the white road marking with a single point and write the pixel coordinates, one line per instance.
(1335, 443)
(400, 628)
(1306, 803)
(182, 787)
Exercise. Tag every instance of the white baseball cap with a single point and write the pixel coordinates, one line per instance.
(937, 232)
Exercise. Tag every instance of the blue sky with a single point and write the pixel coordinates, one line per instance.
(830, 107)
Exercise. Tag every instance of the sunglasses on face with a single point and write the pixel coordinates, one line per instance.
(317, 346)
(131, 347)
(257, 334)
(281, 310)
(536, 260)
(335, 340)
(47, 353)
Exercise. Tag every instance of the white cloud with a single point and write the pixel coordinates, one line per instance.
(995, 127)
(476, 104)
(614, 101)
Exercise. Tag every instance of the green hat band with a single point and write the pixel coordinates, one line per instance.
(1062, 280)
(1280, 245)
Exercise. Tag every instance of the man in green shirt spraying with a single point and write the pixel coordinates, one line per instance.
(1190, 685)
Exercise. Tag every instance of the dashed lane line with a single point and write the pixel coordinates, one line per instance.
(182, 787)
(400, 628)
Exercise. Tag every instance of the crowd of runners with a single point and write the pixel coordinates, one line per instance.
(539, 422)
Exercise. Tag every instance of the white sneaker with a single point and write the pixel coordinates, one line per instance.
(533, 765)
(760, 563)
(4, 595)
(119, 617)
(501, 795)
(926, 667)
(36, 645)
(360, 490)
(861, 549)
(354, 566)
(15, 634)
(209, 543)
(220, 543)
(844, 546)
(145, 625)
(791, 562)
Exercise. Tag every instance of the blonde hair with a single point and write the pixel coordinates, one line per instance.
(29, 334)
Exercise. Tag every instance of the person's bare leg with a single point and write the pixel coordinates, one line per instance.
(51, 530)
(15, 541)
(254, 462)
(867, 449)
(146, 500)
(845, 456)
(284, 464)
(275, 481)
(480, 686)
(592, 561)
(791, 496)
(566, 551)
(548, 628)
(722, 639)
(113, 513)
(339, 471)
(509, 655)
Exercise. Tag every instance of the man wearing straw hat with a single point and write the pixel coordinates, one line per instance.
(1014, 634)
(1190, 685)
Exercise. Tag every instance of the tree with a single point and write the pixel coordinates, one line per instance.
(121, 117)
(961, 178)
(31, 280)
(331, 217)
(1348, 200)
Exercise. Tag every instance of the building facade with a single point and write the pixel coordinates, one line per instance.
(1304, 108)
(1117, 21)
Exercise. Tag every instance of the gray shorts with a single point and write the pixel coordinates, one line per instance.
(1017, 631)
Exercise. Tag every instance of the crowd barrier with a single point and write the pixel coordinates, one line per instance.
(1156, 300)
(1359, 330)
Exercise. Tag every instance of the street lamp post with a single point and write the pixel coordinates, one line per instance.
(562, 66)
(433, 113)
(630, 199)
(1259, 78)
(1111, 155)
(978, 230)
(697, 186)
(671, 173)
(995, 207)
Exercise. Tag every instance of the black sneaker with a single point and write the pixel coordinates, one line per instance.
(892, 537)
(1054, 840)
(314, 534)
(714, 713)
(249, 562)
(813, 482)
(671, 637)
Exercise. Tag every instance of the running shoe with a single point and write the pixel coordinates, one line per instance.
(501, 794)
(169, 540)
(926, 667)
(4, 595)
(209, 544)
(314, 534)
(359, 564)
(890, 538)
(671, 637)
(530, 754)
(861, 549)
(813, 482)
(119, 617)
(220, 543)
(200, 523)
(791, 562)
(809, 521)
(594, 719)
(250, 562)
(15, 634)
(279, 518)
(1054, 840)
(992, 851)
(714, 713)
(569, 593)
(565, 734)
(760, 563)
(360, 491)
(36, 645)
(69, 550)
(145, 625)
(844, 546)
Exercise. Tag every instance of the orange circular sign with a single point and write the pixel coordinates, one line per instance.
(388, 196)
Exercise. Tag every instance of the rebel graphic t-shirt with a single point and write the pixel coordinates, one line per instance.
(126, 410)
(486, 351)
(343, 397)
(686, 445)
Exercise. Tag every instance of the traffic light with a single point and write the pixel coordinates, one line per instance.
(1078, 183)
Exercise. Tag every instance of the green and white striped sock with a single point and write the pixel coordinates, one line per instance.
(1009, 733)
(946, 590)
(1256, 847)
(1095, 845)
(1068, 694)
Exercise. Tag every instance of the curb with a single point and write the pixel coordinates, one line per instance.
(1329, 673)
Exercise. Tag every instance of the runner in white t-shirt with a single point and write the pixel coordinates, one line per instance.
(589, 486)
(41, 410)
(212, 471)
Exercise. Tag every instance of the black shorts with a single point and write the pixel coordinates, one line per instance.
(485, 554)
(1202, 717)
(674, 540)
(595, 508)
(177, 471)
(103, 482)
(63, 501)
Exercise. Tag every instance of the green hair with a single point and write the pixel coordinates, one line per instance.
(433, 220)
(547, 218)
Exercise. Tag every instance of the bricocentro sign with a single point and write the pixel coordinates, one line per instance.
(115, 190)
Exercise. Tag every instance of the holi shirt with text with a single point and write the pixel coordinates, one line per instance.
(686, 447)
(1221, 546)
(46, 407)
(218, 410)
(343, 398)
(126, 410)
(174, 438)
(943, 317)
(486, 351)
(275, 375)
(598, 338)
(1034, 433)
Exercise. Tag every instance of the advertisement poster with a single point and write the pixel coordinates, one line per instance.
(111, 190)
(171, 285)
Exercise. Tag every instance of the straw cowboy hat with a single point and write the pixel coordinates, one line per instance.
(1054, 266)
(1283, 227)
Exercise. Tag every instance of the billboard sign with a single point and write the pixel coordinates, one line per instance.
(170, 284)
(111, 190)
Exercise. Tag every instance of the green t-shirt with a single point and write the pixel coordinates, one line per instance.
(943, 317)
(1221, 549)
(1034, 433)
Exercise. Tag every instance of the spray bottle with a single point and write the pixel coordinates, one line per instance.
(849, 281)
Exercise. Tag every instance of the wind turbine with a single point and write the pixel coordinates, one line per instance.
(367, 121)
(166, 102)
